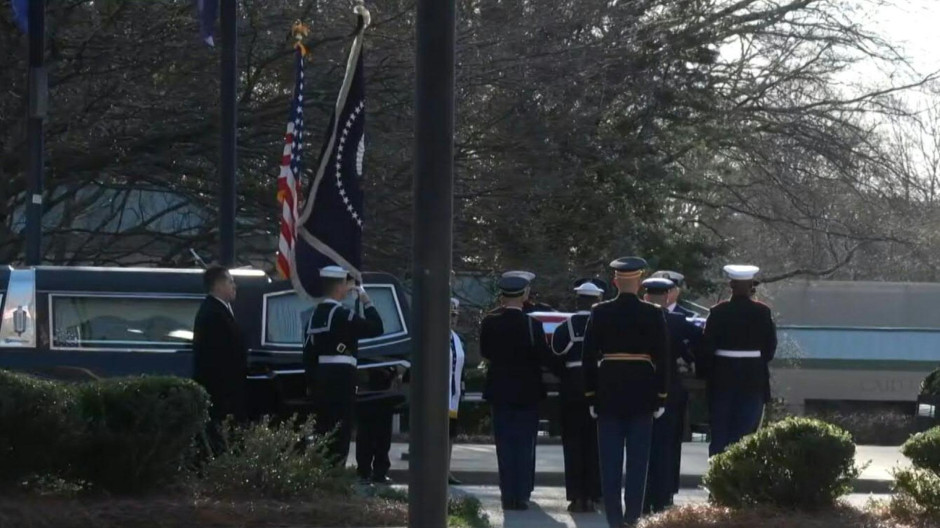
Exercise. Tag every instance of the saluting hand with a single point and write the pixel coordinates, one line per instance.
(659, 412)
(593, 414)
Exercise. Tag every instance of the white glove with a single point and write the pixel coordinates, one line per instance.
(593, 414)
(659, 412)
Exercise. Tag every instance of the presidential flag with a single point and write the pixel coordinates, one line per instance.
(288, 179)
(329, 231)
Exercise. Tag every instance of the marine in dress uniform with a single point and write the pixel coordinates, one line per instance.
(578, 429)
(666, 452)
(515, 348)
(626, 374)
(330, 356)
(457, 359)
(740, 341)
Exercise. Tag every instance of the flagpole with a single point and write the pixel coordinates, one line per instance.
(38, 105)
(229, 128)
(433, 233)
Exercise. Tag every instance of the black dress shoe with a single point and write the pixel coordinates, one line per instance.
(574, 506)
(383, 481)
(452, 480)
(521, 505)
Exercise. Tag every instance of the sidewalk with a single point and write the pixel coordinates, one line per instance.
(475, 465)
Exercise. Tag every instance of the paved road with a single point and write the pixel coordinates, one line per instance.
(475, 464)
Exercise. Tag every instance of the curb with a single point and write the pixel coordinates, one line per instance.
(556, 479)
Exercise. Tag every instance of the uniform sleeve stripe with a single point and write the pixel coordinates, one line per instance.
(663, 394)
(589, 393)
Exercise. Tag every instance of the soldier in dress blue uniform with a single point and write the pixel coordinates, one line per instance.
(331, 351)
(515, 348)
(531, 304)
(666, 452)
(672, 303)
(740, 341)
(626, 374)
(578, 429)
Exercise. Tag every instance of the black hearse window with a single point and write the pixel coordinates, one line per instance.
(287, 314)
(116, 322)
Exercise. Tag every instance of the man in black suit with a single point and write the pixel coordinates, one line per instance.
(220, 357)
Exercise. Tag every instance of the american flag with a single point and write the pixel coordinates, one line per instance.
(288, 180)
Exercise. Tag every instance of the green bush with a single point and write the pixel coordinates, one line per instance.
(924, 450)
(916, 493)
(795, 463)
(274, 460)
(37, 426)
(138, 432)
(931, 384)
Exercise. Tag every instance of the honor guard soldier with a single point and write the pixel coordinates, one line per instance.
(578, 429)
(515, 348)
(457, 360)
(666, 451)
(672, 303)
(626, 374)
(740, 341)
(331, 351)
(532, 304)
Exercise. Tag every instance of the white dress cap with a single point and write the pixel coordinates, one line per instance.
(741, 272)
(589, 289)
(334, 272)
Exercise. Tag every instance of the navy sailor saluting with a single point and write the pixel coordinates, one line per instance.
(578, 429)
(331, 351)
(626, 375)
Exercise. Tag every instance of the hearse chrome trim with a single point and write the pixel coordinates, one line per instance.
(299, 345)
(158, 347)
(18, 326)
(235, 272)
(296, 350)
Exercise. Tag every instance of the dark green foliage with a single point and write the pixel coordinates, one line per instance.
(931, 384)
(37, 425)
(924, 450)
(278, 460)
(797, 463)
(138, 431)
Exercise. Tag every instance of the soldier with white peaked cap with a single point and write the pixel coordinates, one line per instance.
(330, 356)
(739, 342)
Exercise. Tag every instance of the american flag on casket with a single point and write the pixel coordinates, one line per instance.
(551, 320)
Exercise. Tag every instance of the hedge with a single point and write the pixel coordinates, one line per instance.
(116, 435)
(797, 463)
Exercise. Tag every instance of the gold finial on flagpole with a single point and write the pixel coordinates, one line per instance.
(299, 32)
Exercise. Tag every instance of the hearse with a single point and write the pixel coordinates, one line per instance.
(87, 322)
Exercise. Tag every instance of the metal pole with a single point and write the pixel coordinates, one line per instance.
(38, 107)
(433, 219)
(229, 15)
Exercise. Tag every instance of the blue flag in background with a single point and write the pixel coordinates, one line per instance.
(21, 14)
(208, 12)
